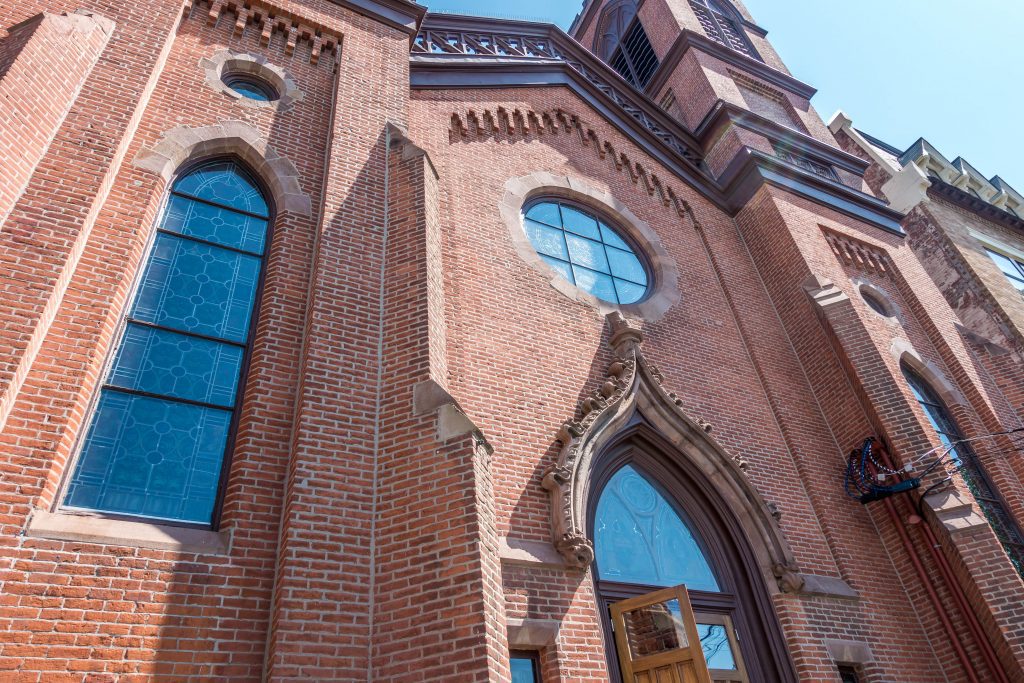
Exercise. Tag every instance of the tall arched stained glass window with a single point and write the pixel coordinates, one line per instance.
(157, 440)
(966, 460)
(640, 538)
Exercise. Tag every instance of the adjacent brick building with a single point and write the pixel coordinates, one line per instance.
(343, 341)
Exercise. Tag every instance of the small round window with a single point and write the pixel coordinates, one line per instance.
(250, 86)
(586, 251)
(875, 302)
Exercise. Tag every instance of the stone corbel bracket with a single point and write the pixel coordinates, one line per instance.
(633, 384)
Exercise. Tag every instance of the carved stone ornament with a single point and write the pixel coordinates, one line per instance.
(634, 385)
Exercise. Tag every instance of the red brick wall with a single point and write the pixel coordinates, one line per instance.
(365, 530)
(43, 62)
(722, 349)
(126, 613)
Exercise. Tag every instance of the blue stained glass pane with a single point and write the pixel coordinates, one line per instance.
(598, 284)
(628, 292)
(612, 239)
(221, 183)
(639, 538)
(546, 240)
(198, 288)
(151, 457)
(564, 269)
(251, 90)
(593, 250)
(177, 366)
(580, 223)
(715, 643)
(587, 253)
(627, 266)
(545, 212)
(214, 224)
(522, 670)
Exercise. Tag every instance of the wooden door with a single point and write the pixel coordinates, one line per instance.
(656, 637)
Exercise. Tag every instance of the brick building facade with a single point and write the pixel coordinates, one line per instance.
(344, 341)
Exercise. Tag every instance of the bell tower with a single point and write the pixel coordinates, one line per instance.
(712, 69)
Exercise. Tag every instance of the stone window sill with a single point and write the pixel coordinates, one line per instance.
(62, 526)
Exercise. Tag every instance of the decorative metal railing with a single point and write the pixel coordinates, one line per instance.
(819, 169)
(542, 42)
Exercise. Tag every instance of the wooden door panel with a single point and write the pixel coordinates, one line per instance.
(657, 639)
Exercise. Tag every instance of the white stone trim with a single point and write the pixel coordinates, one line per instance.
(849, 651)
(519, 551)
(663, 291)
(182, 143)
(63, 526)
(226, 62)
(993, 244)
(531, 634)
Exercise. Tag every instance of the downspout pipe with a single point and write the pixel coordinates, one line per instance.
(949, 579)
(933, 597)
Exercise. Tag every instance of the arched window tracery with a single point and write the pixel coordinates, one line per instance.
(157, 441)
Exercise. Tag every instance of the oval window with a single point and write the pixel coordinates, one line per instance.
(587, 251)
(875, 302)
(251, 87)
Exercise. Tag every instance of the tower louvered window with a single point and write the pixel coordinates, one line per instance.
(634, 59)
(623, 44)
(721, 27)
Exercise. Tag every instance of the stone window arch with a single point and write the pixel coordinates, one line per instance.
(632, 420)
(662, 289)
(722, 578)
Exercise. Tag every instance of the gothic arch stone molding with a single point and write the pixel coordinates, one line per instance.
(665, 274)
(634, 384)
(904, 352)
(183, 143)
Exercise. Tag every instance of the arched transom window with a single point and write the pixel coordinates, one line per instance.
(642, 543)
(640, 538)
(963, 456)
(158, 436)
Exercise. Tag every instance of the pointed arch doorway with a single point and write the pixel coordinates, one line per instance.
(632, 457)
(655, 527)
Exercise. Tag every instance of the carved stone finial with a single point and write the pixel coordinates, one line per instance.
(577, 550)
(704, 424)
(776, 511)
(788, 578)
(625, 339)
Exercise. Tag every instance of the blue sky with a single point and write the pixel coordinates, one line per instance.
(945, 70)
